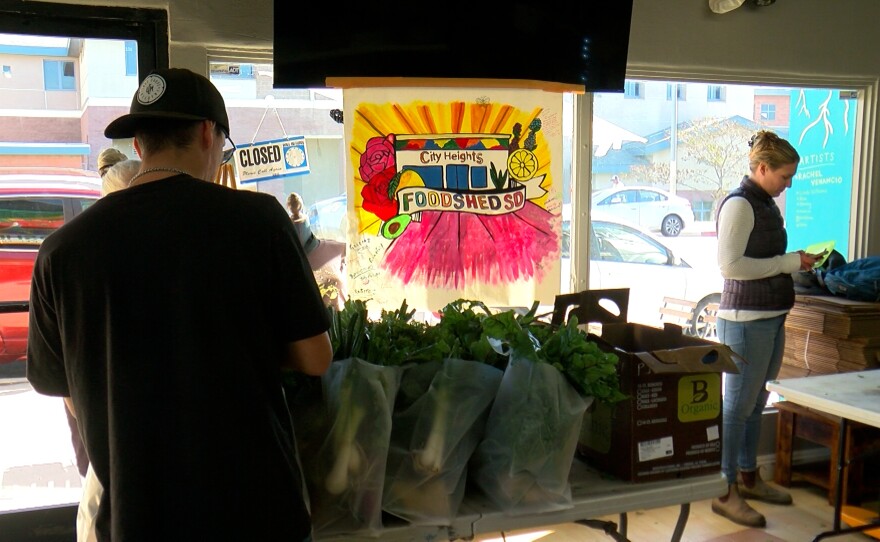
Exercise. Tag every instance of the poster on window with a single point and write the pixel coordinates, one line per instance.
(454, 193)
(817, 205)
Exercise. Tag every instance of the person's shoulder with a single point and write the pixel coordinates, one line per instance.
(260, 204)
(225, 199)
(736, 208)
(735, 203)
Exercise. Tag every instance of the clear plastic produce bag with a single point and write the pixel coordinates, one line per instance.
(442, 417)
(524, 460)
(346, 474)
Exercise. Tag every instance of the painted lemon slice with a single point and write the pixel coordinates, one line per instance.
(522, 164)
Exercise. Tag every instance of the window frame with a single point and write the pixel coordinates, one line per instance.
(770, 113)
(716, 93)
(131, 64)
(148, 27)
(58, 81)
(680, 91)
(634, 90)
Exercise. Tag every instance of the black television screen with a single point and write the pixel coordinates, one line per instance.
(583, 43)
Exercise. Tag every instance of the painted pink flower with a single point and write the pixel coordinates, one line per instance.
(377, 157)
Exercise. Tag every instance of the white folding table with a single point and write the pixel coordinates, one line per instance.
(594, 495)
(853, 396)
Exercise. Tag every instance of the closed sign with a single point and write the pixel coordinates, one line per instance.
(271, 159)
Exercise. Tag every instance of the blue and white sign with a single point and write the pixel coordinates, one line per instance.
(273, 159)
(817, 206)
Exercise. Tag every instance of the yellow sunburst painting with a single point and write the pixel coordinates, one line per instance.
(460, 192)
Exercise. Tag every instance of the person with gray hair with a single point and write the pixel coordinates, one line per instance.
(119, 175)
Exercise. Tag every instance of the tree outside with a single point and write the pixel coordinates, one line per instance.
(719, 150)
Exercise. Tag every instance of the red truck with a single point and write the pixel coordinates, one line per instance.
(34, 202)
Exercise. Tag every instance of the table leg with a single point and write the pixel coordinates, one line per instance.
(841, 464)
(619, 533)
(682, 521)
(608, 527)
(838, 491)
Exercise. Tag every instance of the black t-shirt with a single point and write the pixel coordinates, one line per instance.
(164, 311)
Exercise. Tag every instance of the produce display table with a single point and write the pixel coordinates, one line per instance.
(594, 495)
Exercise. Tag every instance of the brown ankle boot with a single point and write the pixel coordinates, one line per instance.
(737, 510)
(762, 491)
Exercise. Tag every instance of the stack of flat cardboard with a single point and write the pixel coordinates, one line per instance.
(829, 334)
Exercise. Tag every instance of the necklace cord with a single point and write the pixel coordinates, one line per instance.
(155, 169)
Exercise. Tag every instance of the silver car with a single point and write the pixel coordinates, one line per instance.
(623, 255)
(652, 208)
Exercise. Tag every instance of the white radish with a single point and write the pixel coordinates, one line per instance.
(431, 457)
(345, 432)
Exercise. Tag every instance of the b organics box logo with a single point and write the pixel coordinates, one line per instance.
(699, 397)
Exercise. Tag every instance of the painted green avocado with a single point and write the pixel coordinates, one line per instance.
(395, 227)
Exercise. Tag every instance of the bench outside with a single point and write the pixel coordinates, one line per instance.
(683, 313)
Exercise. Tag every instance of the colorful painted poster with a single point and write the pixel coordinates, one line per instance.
(817, 206)
(454, 194)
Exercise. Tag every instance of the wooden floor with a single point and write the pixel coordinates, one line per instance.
(808, 516)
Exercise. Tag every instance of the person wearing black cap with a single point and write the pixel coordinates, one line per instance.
(165, 314)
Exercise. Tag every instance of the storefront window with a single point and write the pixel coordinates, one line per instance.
(693, 151)
(301, 118)
(42, 186)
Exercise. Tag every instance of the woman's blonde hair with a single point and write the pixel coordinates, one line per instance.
(295, 205)
(769, 148)
(119, 176)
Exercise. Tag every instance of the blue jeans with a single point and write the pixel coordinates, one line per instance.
(761, 343)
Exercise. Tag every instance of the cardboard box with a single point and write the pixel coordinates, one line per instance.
(670, 426)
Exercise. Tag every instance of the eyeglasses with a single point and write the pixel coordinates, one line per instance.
(227, 153)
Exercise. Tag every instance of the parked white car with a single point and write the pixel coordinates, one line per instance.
(649, 207)
(623, 255)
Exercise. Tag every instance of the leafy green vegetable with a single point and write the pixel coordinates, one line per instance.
(396, 339)
(592, 371)
(392, 340)
(348, 333)
(469, 330)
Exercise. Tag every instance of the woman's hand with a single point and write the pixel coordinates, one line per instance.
(808, 261)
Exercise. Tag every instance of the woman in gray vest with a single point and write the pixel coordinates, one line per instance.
(758, 293)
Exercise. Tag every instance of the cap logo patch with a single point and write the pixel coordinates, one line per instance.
(151, 89)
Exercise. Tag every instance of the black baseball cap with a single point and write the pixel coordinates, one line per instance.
(173, 93)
